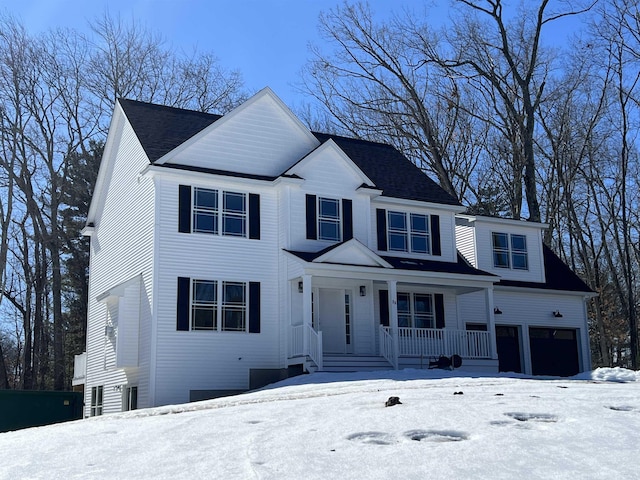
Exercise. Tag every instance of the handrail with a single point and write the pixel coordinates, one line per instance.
(315, 347)
(386, 347)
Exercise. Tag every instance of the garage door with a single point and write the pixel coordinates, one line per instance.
(554, 351)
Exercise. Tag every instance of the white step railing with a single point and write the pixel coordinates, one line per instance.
(386, 347)
(297, 343)
(431, 342)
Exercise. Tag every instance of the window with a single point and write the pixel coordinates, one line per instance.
(347, 317)
(415, 310)
(234, 306)
(397, 231)
(206, 212)
(96, 400)
(218, 305)
(130, 399)
(510, 251)
(328, 219)
(234, 214)
(408, 236)
(203, 305)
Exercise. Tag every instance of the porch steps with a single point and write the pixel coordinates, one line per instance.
(354, 363)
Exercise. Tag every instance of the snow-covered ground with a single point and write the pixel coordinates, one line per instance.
(336, 426)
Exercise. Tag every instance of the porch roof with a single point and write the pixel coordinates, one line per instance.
(461, 267)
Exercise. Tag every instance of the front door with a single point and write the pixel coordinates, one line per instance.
(331, 320)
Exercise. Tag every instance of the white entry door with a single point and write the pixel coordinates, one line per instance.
(331, 319)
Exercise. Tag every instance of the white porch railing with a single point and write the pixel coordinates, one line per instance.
(297, 343)
(386, 347)
(431, 342)
(79, 369)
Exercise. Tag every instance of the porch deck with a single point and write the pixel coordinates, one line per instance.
(413, 348)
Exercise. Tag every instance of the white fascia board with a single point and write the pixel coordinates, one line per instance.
(188, 175)
(233, 113)
(88, 231)
(542, 291)
(371, 192)
(504, 221)
(331, 145)
(417, 203)
(99, 191)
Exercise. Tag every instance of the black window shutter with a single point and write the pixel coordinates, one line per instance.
(439, 299)
(381, 221)
(254, 216)
(384, 307)
(184, 209)
(435, 235)
(312, 225)
(347, 219)
(182, 314)
(254, 307)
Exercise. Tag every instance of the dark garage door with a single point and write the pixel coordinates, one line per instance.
(554, 351)
(508, 346)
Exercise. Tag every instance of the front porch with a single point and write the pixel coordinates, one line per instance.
(412, 348)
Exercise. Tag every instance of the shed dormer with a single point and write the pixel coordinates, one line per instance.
(511, 249)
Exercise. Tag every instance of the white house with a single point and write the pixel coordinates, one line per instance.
(230, 252)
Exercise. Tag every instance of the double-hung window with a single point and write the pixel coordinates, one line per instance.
(416, 310)
(234, 306)
(205, 210)
(204, 305)
(329, 219)
(510, 251)
(234, 214)
(408, 232)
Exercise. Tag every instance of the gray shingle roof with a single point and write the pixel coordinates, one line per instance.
(558, 276)
(160, 129)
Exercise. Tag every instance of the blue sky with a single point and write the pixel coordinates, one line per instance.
(267, 40)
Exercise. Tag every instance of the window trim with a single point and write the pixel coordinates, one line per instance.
(220, 306)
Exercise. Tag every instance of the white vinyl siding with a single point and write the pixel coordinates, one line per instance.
(260, 140)
(121, 248)
(224, 259)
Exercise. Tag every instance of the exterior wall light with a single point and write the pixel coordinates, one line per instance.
(363, 290)
(300, 287)
(497, 311)
(557, 314)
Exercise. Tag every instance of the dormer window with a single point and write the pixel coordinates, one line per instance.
(510, 251)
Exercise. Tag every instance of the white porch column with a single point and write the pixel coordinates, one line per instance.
(393, 317)
(491, 326)
(307, 320)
